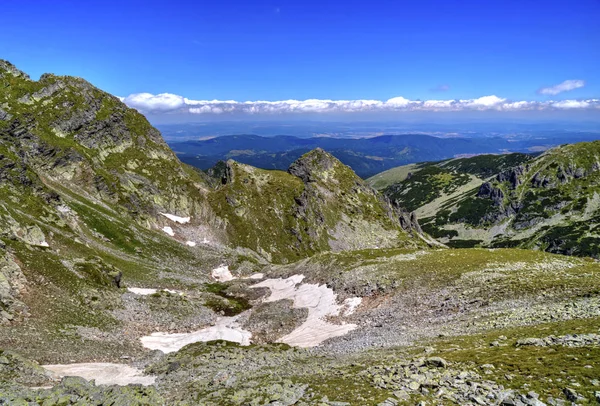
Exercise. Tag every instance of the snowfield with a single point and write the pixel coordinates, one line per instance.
(320, 302)
(177, 219)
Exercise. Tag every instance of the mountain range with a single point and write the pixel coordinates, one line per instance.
(128, 277)
(366, 156)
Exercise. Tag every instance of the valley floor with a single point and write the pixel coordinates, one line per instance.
(387, 327)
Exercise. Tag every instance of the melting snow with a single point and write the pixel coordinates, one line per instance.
(44, 244)
(225, 328)
(190, 243)
(222, 274)
(103, 373)
(151, 291)
(169, 231)
(256, 276)
(320, 302)
(351, 304)
(177, 219)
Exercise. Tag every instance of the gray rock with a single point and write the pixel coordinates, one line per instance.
(571, 394)
(531, 341)
(436, 362)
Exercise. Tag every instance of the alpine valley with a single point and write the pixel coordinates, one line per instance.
(130, 278)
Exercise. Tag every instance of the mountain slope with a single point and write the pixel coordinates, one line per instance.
(318, 205)
(547, 202)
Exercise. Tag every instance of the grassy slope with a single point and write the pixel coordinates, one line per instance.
(560, 218)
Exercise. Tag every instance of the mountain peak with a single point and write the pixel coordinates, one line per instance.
(319, 165)
(6, 66)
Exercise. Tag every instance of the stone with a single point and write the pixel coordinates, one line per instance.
(538, 342)
(413, 385)
(436, 362)
(571, 394)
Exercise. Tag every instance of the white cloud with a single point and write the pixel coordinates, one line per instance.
(571, 104)
(562, 87)
(159, 102)
(170, 103)
(484, 102)
(398, 102)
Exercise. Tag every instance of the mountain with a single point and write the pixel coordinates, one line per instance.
(95, 191)
(318, 205)
(547, 202)
(366, 156)
(130, 278)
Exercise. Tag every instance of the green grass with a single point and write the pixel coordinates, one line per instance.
(545, 370)
(228, 304)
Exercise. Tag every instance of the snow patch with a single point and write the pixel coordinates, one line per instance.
(222, 274)
(44, 244)
(225, 328)
(142, 291)
(190, 243)
(63, 208)
(177, 219)
(151, 291)
(350, 305)
(320, 302)
(256, 276)
(103, 373)
(169, 231)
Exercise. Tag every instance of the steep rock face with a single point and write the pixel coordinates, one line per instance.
(12, 284)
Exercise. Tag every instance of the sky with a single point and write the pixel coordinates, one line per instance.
(200, 60)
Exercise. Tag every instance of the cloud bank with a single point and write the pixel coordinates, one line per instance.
(562, 87)
(171, 103)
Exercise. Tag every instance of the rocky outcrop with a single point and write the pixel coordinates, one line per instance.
(12, 284)
(18, 369)
(221, 173)
(93, 143)
(270, 321)
(564, 175)
(338, 205)
(512, 176)
(568, 340)
(7, 68)
(540, 180)
(314, 166)
(487, 191)
(409, 222)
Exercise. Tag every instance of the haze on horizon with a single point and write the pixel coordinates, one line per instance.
(321, 60)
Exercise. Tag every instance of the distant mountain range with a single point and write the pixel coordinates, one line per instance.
(366, 156)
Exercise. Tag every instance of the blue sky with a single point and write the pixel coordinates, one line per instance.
(332, 50)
